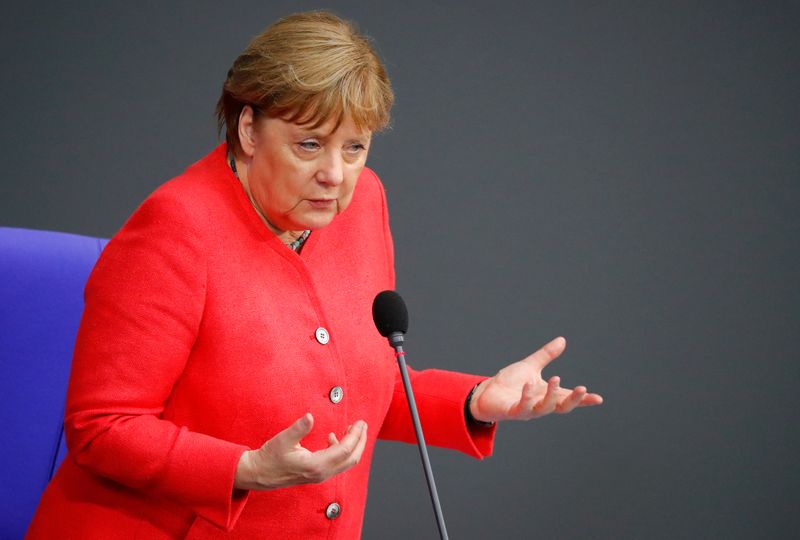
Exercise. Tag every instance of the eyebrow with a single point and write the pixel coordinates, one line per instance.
(309, 133)
(303, 132)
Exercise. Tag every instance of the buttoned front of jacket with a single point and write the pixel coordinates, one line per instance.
(203, 337)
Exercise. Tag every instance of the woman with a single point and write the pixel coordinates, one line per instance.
(233, 308)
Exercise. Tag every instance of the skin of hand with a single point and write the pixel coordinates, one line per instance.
(518, 391)
(282, 461)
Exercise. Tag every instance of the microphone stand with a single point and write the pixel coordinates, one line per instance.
(396, 341)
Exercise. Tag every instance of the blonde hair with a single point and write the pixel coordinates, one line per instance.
(307, 68)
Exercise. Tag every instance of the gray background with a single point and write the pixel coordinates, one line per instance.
(624, 174)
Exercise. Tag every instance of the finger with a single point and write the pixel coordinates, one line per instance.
(591, 399)
(550, 399)
(351, 457)
(333, 456)
(351, 441)
(295, 433)
(355, 457)
(332, 440)
(572, 400)
(527, 401)
(547, 354)
(320, 465)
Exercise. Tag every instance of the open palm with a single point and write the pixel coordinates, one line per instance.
(518, 391)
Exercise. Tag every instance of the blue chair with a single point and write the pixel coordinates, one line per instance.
(42, 276)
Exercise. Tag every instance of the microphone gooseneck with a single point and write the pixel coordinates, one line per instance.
(391, 318)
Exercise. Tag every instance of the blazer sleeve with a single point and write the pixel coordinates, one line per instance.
(143, 306)
(440, 395)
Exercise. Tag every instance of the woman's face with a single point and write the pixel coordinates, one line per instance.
(301, 178)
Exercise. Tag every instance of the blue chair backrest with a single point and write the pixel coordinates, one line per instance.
(42, 276)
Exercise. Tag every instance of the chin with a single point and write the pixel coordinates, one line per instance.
(317, 221)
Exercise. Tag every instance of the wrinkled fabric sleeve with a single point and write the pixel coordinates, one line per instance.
(143, 306)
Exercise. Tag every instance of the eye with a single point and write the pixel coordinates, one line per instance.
(309, 145)
(355, 148)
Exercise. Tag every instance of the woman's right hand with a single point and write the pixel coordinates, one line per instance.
(282, 461)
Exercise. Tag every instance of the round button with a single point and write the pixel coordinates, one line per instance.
(322, 335)
(333, 511)
(336, 394)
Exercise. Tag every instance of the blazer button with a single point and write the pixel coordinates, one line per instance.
(333, 511)
(322, 335)
(336, 394)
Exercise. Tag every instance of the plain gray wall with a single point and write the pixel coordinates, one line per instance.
(626, 174)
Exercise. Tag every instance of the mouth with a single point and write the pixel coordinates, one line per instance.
(322, 203)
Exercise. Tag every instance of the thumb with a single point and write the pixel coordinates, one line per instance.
(547, 353)
(295, 433)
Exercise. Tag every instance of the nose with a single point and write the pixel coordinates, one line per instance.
(331, 169)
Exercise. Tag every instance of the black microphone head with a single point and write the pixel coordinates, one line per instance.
(389, 313)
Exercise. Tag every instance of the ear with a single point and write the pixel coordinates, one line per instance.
(247, 130)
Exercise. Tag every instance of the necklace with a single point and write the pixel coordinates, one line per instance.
(296, 244)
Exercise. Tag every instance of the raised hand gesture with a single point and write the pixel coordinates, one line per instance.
(518, 391)
(282, 461)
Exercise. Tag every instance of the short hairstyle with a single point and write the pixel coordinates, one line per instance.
(307, 68)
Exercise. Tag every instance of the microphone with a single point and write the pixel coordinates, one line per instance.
(391, 319)
(391, 316)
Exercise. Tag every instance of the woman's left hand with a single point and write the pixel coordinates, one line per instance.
(518, 391)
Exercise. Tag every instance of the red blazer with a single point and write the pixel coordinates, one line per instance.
(201, 339)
